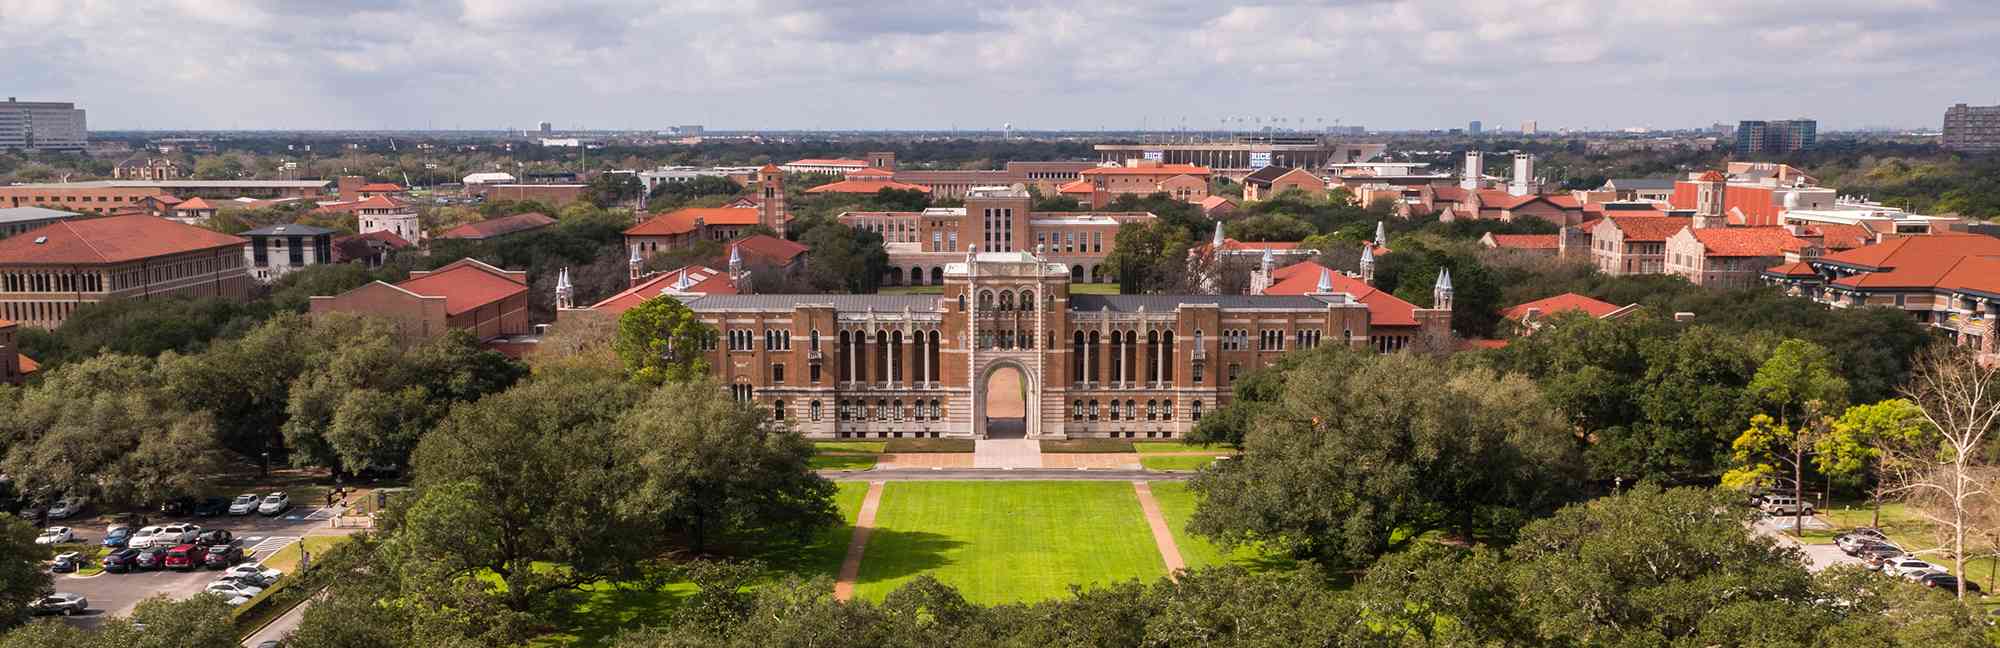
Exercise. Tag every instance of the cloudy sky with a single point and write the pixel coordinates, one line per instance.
(365, 64)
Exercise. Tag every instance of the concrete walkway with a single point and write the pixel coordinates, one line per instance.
(1007, 453)
(1163, 536)
(864, 524)
(1818, 556)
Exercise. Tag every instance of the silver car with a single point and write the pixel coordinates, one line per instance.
(64, 603)
(244, 504)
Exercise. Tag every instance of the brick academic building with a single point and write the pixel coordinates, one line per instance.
(1007, 330)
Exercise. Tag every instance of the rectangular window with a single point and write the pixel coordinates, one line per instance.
(777, 374)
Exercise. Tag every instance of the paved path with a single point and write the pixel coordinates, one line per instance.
(988, 474)
(864, 523)
(1007, 453)
(1818, 556)
(1122, 460)
(282, 626)
(924, 460)
(1163, 537)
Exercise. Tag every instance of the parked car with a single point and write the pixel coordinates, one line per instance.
(118, 536)
(1785, 505)
(122, 560)
(67, 507)
(150, 558)
(1946, 582)
(178, 533)
(223, 555)
(233, 588)
(145, 538)
(66, 562)
(1906, 565)
(64, 603)
(177, 507)
(245, 505)
(274, 504)
(214, 537)
(253, 574)
(1854, 545)
(55, 535)
(185, 556)
(211, 507)
(1875, 557)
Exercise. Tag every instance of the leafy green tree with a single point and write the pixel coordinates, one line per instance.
(671, 194)
(141, 327)
(1363, 450)
(708, 466)
(367, 402)
(1269, 227)
(1148, 256)
(1854, 448)
(104, 428)
(22, 579)
(661, 341)
(1411, 272)
(908, 200)
(524, 486)
(612, 189)
(1795, 390)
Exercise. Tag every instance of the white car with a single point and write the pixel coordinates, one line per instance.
(253, 573)
(1907, 566)
(233, 589)
(178, 533)
(67, 507)
(274, 504)
(244, 504)
(55, 535)
(145, 538)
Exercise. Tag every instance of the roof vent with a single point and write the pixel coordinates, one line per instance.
(41, 239)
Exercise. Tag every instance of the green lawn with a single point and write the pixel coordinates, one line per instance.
(1093, 289)
(849, 446)
(1907, 530)
(1002, 542)
(1177, 505)
(1152, 447)
(843, 462)
(1098, 446)
(603, 610)
(1176, 462)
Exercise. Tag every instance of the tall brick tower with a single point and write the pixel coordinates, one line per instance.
(771, 196)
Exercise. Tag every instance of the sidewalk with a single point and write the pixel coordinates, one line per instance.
(1818, 556)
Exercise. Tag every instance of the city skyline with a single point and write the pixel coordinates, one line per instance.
(1435, 64)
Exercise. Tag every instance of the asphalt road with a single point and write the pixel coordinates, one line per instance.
(117, 594)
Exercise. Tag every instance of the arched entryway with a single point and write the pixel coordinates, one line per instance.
(1005, 399)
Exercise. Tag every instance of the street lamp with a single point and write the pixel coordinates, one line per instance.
(264, 469)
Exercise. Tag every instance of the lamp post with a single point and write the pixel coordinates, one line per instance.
(264, 468)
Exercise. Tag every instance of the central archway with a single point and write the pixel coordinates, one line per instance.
(1004, 402)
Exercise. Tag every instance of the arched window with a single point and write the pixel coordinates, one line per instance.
(961, 302)
(882, 412)
(813, 408)
(896, 410)
(843, 409)
(1114, 410)
(1132, 409)
(1027, 300)
(985, 300)
(1152, 410)
(1006, 300)
(1093, 409)
(937, 411)
(1078, 414)
(1167, 410)
(778, 411)
(1195, 411)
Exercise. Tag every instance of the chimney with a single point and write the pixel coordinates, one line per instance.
(1524, 176)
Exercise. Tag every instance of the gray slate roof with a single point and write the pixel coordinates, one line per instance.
(845, 303)
(1167, 303)
(18, 214)
(290, 229)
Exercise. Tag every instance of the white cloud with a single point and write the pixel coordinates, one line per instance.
(931, 64)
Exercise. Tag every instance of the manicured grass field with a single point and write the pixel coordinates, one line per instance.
(849, 446)
(1155, 447)
(1176, 462)
(1093, 289)
(843, 461)
(603, 610)
(929, 445)
(1086, 445)
(1177, 505)
(1002, 542)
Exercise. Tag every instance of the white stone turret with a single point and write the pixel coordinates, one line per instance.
(565, 293)
(1441, 293)
(635, 264)
(1325, 284)
(1381, 235)
(1215, 245)
(1368, 264)
(1269, 261)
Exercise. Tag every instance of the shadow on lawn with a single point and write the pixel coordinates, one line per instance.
(896, 554)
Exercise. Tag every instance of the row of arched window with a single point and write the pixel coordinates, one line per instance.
(1156, 410)
(1004, 300)
(890, 410)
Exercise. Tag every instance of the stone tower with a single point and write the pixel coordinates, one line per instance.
(771, 199)
(1441, 293)
(1368, 264)
(1710, 189)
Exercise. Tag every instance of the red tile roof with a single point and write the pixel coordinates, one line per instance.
(1500, 199)
(681, 221)
(689, 279)
(1650, 228)
(467, 284)
(498, 227)
(1747, 241)
(1836, 237)
(194, 203)
(1933, 261)
(870, 172)
(1302, 278)
(1899, 251)
(372, 202)
(1528, 241)
(28, 365)
(1077, 187)
(1713, 176)
(766, 248)
(1213, 202)
(1793, 269)
(110, 239)
(1448, 194)
(374, 187)
(1164, 169)
(851, 186)
(1562, 303)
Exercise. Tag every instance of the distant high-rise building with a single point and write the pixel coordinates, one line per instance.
(1972, 128)
(41, 126)
(546, 127)
(1529, 127)
(1782, 136)
(1472, 128)
(692, 130)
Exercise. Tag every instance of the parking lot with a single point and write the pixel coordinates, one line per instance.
(117, 594)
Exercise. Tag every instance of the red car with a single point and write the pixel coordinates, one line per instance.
(185, 556)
